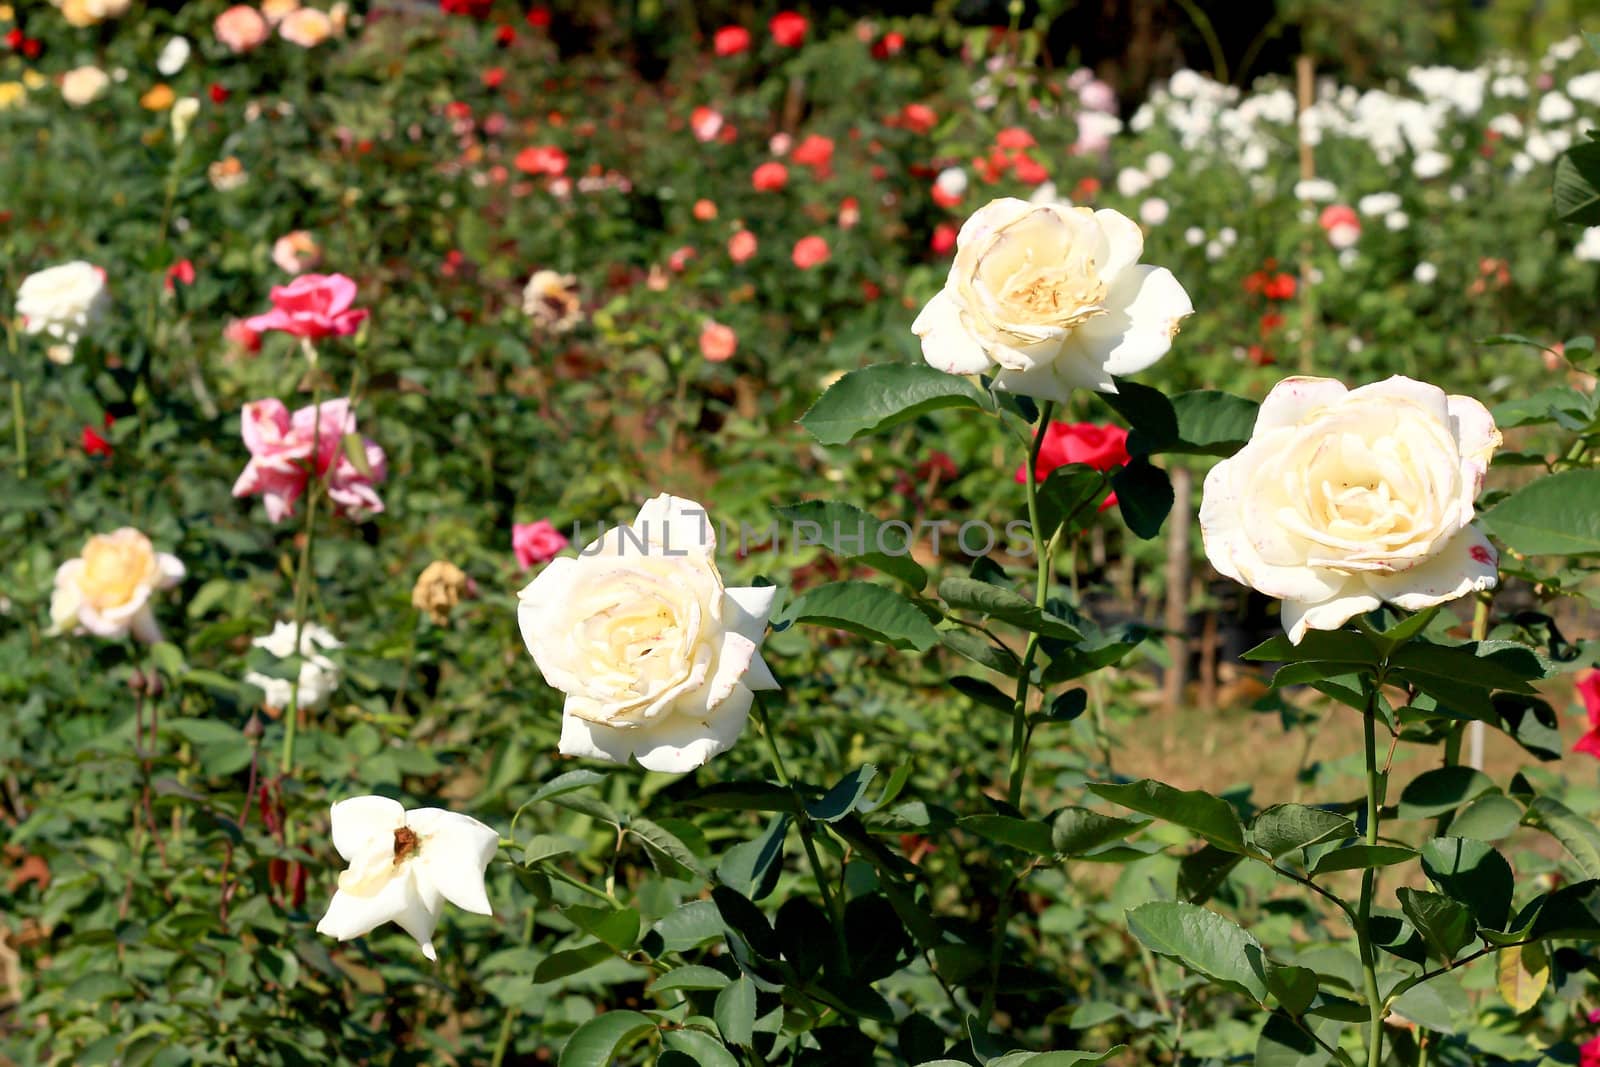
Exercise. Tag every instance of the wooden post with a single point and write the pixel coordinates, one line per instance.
(1306, 86)
(1176, 617)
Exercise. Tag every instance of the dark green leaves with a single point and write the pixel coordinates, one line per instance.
(1144, 496)
(1071, 492)
(884, 395)
(1446, 925)
(1576, 834)
(870, 610)
(846, 795)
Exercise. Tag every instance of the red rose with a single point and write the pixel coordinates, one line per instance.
(770, 177)
(918, 118)
(93, 443)
(539, 17)
(219, 95)
(542, 159)
(730, 40)
(810, 251)
(788, 29)
(180, 273)
(890, 44)
(1102, 448)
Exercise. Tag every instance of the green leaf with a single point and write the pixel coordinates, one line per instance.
(672, 858)
(884, 395)
(1332, 646)
(688, 926)
(1286, 827)
(869, 610)
(1445, 925)
(980, 650)
(1026, 834)
(1432, 793)
(1489, 818)
(1211, 817)
(736, 1012)
(1576, 834)
(1576, 188)
(1438, 1004)
(1072, 491)
(1361, 857)
(847, 531)
(1558, 514)
(1474, 874)
(701, 1048)
(571, 961)
(1212, 423)
(752, 866)
(1202, 872)
(1489, 665)
(1148, 412)
(745, 796)
(690, 976)
(1059, 1058)
(971, 595)
(1202, 941)
(1090, 656)
(845, 796)
(566, 783)
(596, 1043)
(1284, 1043)
(1074, 831)
(1295, 987)
(168, 659)
(1144, 496)
(982, 692)
(617, 927)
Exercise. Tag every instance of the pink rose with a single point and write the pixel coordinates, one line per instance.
(1589, 693)
(810, 251)
(536, 542)
(240, 28)
(718, 343)
(741, 246)
(242, 336)
(285, 449)
(312, 306)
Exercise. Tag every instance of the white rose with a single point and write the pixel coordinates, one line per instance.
(1430, 164)
(657, 658)
(1154, 211)
(1056, 296)
(62, 301)
(1344, 499)
(173, 56)
(1426, 273)
(106, 590)
(403, 866)
(319, 675)
(81, 86)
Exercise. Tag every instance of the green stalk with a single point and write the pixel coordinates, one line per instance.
(829, 901)
(18, 419)
(1369, 960)
(1018, 772)
(302, 591)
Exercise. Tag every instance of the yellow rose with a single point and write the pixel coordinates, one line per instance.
(107, 589)
(12, 94)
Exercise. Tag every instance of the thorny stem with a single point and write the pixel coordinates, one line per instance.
(829, 901)
(301, 589)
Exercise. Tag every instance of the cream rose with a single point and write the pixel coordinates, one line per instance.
(657, 658)
(63, 301)
(1343, 499)
(82, 86)
(306, 27)
(1055, 296)
(107, 589)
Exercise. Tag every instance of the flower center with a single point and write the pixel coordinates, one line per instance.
(406, 843)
